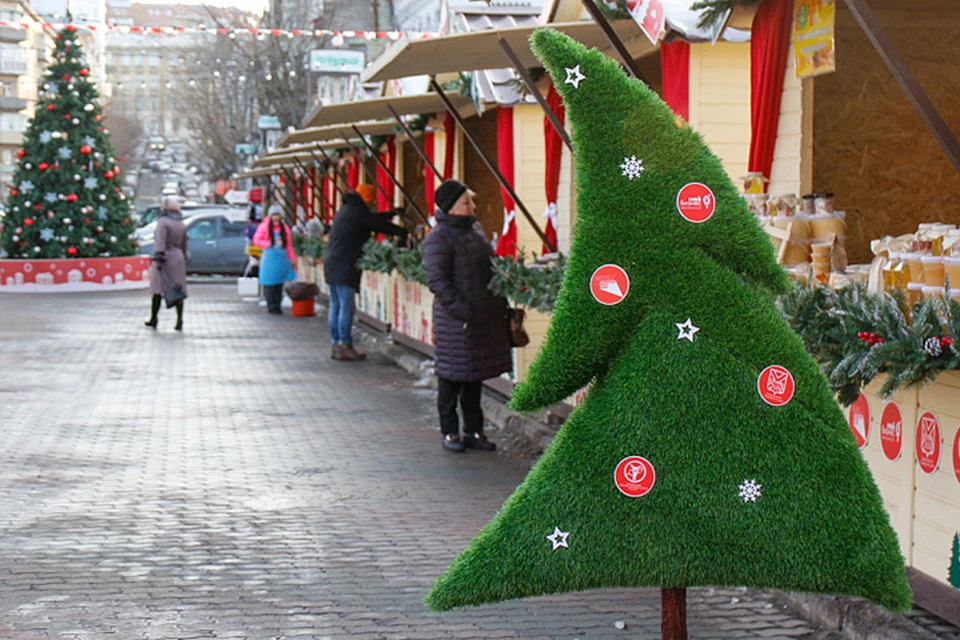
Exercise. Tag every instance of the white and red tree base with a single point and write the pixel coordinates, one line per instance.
(74, 274)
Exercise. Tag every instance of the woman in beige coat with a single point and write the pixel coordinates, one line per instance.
(169, 259)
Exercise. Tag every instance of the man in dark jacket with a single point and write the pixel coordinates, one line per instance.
(471, 341)
(352, 226)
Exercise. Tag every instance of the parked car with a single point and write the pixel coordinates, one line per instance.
(215, 240)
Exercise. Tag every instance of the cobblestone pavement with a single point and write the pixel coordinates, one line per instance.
(234, 482)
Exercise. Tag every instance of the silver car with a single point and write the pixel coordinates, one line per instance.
(216, 241)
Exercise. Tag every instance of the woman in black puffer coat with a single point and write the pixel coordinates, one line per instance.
(470, 327)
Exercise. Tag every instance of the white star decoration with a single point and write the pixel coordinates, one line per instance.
(750, 490)
(632, 167)
(559, 538)
(574, 76)
(687, 330)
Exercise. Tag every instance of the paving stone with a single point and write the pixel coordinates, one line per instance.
(232, 481)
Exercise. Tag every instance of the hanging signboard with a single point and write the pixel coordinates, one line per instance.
(814, 31)
(336, 61)
(651, 17)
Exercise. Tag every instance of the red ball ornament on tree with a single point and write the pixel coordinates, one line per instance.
(97, 117)
(85, 149)
(56, 165)
(50, 106)
(13, 192)
(66, 116)
(86, 220)
(84, 72)
(28, 221)
(66, 77)
(108, 175)
(96, 165)
(72, 251)
(21, 153)
(70, 27)
(38, 207)
(72, 197)
(42, 166)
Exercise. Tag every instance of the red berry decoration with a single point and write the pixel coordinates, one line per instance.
(108, 175)
(28, 221)
(85, 149)
(946, 342)
(72, 197)
(72, 251)
(43, 166)
(50, 106)
(84, 72)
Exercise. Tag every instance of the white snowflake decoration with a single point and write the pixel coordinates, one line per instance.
(632, 167)
(64, 153)
(558, 538)
(750, 490)
(50, 197)
(45, 136)
(89, 141)
(90, 183)
(46, 234)
(25, 187)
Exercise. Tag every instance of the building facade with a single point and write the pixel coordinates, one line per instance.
(22, 60)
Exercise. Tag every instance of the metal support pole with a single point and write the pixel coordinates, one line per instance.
(393, 178)
(335, 169)
(416, 145)
(278, 191)
(532, 88)
(905, 78)
(493, 169)
(625, 58)
(313, 183)
(356, 151)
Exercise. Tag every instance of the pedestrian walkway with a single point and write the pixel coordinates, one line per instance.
(234, 482)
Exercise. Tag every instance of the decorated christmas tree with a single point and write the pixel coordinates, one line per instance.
(66, 201)
(709, 449)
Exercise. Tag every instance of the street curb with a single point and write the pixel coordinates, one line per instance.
(853, 618)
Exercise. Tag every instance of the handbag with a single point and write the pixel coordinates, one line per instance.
(173, 292)
(518, 335)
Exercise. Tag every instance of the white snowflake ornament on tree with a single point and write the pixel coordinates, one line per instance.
(750, 490)
(632, 167)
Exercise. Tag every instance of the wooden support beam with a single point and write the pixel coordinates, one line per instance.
(393, 178)
(625, 58)
(416, 145)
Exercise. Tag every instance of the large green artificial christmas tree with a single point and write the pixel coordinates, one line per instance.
(66, 201)
(709, 449)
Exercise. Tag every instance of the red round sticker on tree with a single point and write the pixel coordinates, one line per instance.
(634, 476)
(859, 419)
(891, 431)
(696, 203)
(775, 385)
(928, 442)
(609, 284)
(956, 455)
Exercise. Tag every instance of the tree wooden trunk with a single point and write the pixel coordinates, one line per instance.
(673, 611)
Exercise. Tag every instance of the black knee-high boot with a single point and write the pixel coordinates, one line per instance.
(179, 326)
(154, 310)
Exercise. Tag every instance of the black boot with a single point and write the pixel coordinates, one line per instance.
(179, 325)
(154, 310)
(453, 444)
(478, 441)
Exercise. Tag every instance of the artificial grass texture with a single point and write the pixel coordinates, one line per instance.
(691, 408)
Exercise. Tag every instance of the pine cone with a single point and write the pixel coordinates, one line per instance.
(932, 347)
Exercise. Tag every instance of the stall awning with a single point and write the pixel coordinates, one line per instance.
(480, 50)
(303, 153)
(259, 173)
(332, 132)
(347, 112)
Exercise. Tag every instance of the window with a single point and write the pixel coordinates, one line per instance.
(12, 122)
(125, 59)
(138, 59)
(139, 103)
(154, 59)
(234, 229)
(203, 230)
(154, 82)
(154, 103)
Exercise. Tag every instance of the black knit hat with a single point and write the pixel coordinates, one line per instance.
(447, 194)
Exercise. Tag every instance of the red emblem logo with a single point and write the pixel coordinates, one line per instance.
(891, 431)
(696, 203)
(609, 284)
(859, 419)
(956, 455)
(928, 442)
(634, 476)
(775, 385)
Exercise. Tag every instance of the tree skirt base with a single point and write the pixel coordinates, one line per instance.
(74, 275)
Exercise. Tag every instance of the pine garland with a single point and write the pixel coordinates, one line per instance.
(714, 10)
(308, 246)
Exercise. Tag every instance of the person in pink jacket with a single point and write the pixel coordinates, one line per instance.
(276, 262)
